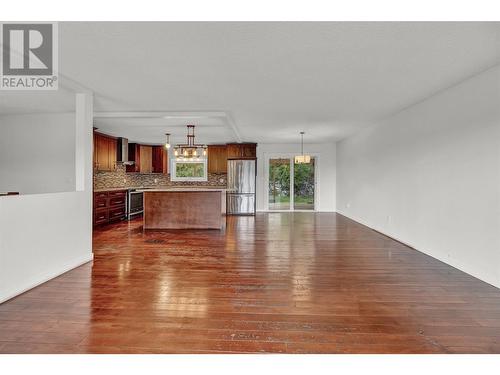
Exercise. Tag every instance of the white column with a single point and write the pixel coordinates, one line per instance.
(83, 141)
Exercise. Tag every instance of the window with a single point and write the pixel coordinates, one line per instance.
(189, 170)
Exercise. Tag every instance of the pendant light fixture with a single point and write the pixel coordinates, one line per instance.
(190, 150)
(302, 159)
(167, 141)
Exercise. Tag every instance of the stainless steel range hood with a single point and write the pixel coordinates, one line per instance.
(122, 152)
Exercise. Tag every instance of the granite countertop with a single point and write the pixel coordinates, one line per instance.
(112, 189)
(181, 189)
(164, 188)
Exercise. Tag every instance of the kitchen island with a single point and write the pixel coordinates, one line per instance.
(184, 208)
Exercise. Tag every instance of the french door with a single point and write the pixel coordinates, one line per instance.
(291, 186)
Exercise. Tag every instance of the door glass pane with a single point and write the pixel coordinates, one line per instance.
(279, 184)
(303, 186)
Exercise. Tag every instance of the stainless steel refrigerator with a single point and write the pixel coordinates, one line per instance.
(241, 177)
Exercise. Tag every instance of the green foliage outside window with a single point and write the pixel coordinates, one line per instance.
(303, 186)
(279, 182)
(189, 169)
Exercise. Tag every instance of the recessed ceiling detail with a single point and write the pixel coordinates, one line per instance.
(150, 127)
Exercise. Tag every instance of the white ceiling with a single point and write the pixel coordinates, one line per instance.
(211, 129)
(270, 79)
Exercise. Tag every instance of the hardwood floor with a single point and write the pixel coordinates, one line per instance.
(286, 283)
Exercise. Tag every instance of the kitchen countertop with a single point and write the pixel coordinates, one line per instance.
(181, 189)
(162, 188)
(111, 189)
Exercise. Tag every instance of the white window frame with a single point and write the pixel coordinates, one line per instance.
(173, 170)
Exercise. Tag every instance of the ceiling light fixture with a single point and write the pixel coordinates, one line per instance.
(167, 141)
(189, 150)
(302, 159)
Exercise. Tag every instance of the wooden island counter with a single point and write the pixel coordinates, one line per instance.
(184, 208)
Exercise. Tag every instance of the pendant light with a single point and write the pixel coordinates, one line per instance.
(190, 150)
(302, 159)
(167, 142)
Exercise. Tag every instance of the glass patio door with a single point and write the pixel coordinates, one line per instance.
(291, 186)
(303, 186)
(279, 184)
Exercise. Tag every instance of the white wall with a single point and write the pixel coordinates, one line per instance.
(430, 176)
(41, 237)
(326, 171)
(37, 153)
(44, 235)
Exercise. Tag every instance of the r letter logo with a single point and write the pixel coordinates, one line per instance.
(29, 56)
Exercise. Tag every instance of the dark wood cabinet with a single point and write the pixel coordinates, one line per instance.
(233, 151)
(134, 154)
(160, 159)
(154, 159)
(241, 150)
(100, 203)
(249, 150)
(146, 164)
(112, 153)
(147, 159)
(116, 213)
(104, 152)
(109, 206)
(217, 159)
(101, 217)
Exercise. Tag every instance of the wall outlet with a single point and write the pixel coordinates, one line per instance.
(348, 205)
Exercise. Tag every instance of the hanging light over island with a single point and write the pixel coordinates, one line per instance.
(190, 150)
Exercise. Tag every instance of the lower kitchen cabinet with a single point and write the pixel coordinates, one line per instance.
(109, 206)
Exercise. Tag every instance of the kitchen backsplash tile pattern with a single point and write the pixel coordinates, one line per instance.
(120, 178)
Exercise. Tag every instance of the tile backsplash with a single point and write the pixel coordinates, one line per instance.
(120, 178)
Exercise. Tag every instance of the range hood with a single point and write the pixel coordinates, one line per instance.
(122, 152)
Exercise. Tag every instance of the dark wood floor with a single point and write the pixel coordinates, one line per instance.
(288, 283)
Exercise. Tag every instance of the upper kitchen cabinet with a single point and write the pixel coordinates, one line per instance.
(112, 153)
(217, 159)
(242, 151)
(146, 164)
(147, 159)
(160, 159)
(104, 152)
(134, 155)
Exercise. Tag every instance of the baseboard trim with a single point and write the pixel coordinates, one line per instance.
(41, 279)
(447, 262)
(382, 233)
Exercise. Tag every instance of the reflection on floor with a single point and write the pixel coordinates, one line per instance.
(285, 206)
(279, 282)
